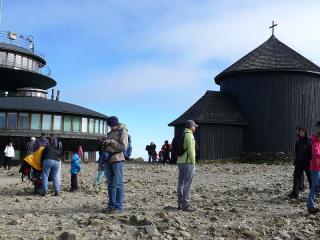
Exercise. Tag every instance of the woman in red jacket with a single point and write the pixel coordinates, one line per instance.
(315, 170)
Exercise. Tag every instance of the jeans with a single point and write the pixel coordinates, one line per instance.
(186, 173)
(114, 174)
(315, 177)
(50, 167)
(100, 175)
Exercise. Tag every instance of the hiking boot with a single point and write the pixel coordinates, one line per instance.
(108, 210)
(56, 194)
(188, 209)
(293, 195)
(313, 210)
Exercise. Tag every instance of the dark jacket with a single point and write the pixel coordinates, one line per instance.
(53, 151)
(303, 152)
(40, 142)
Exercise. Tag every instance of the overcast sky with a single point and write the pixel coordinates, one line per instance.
(148, 61)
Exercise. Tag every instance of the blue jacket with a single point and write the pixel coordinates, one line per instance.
(75, 164)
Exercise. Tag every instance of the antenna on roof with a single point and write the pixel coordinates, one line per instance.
(273, 26)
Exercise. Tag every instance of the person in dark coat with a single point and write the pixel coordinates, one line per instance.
(303, 155)
(165, 150)
(42, 141)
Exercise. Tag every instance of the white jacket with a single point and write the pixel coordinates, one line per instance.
(9, 151)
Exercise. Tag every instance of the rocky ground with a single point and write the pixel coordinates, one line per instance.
(233, 201)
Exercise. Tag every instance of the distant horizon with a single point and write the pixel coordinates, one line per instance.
(147, 62)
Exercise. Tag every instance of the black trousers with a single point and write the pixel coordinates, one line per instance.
(299, 170)
(74, 181)
(7, 162)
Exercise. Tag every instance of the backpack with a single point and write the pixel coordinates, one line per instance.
(127, 152)
(179, 147)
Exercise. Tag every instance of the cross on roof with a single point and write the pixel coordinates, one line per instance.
(273, 26)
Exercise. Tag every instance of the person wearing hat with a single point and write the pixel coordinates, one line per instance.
(116, 143)
(315, 170)
(187, 166)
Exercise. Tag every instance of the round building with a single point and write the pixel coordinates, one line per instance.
(26, 110)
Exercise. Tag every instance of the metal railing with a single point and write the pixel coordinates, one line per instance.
(14, 39)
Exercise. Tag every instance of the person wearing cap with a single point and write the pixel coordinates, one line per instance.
(315, 170)
(116, 143)
(187, 166)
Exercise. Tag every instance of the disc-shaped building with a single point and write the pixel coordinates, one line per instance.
(263, 97)
(25, 109)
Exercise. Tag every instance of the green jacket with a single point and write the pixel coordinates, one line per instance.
(189, 144)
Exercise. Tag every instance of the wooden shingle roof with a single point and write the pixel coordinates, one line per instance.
(213, 107)
(272, 55)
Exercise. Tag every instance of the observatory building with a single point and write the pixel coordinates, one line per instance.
(27, 111)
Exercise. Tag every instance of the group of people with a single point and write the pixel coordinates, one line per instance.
(167, 154)
(307, 160)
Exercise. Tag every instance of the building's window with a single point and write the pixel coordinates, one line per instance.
(16, 154)
(86, 156)
(91, 125)
(67, 123)
(10, 59)
(23, 121)
(12, 120)
(101, 127)
(2, 120)
(18, 60)
(3, 57)
(25, 62)
(46, 122)
(35, 121)
(96, 127)
(30, 64)
(84, 125)
(35, 66)
(105, 127)
(76, 124)
(57, 123)
(67, 156)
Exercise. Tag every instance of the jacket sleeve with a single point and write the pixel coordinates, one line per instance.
(190, 148)
(122, 144)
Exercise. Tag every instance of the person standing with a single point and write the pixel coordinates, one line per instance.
(42, 141)
(303, 155)
(116, 143)
(315, 170)
(186, 165)
(8, 156)
(165, 152)
(75, 169)
(30, 146)
(51, 165)
(80, 153)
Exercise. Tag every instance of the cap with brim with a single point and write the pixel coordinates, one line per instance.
(190, 124)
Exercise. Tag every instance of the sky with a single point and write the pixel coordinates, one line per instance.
(148, 61)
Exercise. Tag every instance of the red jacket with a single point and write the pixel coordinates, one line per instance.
(315, 161)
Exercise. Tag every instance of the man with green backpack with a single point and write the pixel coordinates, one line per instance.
(186, 149)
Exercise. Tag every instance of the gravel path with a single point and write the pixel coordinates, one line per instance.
(233, 201)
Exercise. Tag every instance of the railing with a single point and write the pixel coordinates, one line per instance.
(14, 39)
(44, 70)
